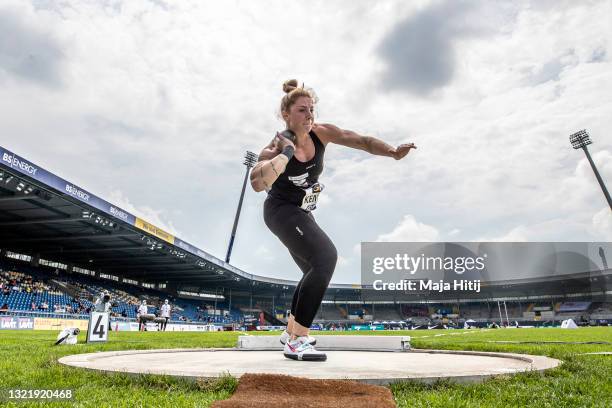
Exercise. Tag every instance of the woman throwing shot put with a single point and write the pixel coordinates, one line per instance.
(288, 170)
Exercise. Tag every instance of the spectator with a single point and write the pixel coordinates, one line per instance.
(44, 306)
(4, 309)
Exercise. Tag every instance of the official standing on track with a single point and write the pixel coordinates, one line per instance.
(142, 310)
(165, 314)
(288, 170)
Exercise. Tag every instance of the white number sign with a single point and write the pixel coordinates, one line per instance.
(98, 327)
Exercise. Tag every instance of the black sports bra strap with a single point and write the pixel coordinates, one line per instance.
(316, 139)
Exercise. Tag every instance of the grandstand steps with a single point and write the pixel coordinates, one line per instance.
(67, 288)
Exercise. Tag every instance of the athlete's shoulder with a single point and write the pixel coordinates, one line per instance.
(326, 132)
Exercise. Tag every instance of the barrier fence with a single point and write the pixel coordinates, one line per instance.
(55, 321)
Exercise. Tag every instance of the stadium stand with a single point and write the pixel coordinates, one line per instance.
(387, 312)
(330, 312)
(36, 293)
(601, 310)
(47, 292)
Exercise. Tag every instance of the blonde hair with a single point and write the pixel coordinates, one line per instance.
(293, 93)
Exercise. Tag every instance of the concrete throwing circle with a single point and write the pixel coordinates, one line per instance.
(372, 367)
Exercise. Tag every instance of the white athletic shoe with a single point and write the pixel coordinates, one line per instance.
(300, 349)
(286, 336)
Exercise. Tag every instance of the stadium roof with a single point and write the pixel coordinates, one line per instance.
(44, 214)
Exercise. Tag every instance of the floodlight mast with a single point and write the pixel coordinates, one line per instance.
(580, 140)
(250, 159)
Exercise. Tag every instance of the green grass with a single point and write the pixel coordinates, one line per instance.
(28, 359)
(581, 381)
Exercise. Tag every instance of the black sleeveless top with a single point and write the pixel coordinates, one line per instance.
(298, 176)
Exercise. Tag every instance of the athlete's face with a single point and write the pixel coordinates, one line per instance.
(300, 117)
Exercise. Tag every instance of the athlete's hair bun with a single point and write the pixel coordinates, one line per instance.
(290, 85)
(293, 92)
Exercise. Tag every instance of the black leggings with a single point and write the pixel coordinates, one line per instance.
(312, 250)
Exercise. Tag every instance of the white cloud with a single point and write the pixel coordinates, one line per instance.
(454, 232)
(262, 252)
(342, 261)
(153, 216)
(410, 230)
(546, 231)
(602, 224)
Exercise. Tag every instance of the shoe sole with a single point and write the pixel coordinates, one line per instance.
(306, 357)
(314, 342)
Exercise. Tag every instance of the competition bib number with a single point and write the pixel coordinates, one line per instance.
(309, 203)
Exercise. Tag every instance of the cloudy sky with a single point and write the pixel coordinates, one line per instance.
(151, 104)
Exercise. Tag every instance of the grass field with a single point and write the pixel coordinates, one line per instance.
(28, 359)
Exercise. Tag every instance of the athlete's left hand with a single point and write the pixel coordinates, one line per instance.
(402, 150)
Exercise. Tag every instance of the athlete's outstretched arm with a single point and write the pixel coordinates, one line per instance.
(370, 144)
(271, 163)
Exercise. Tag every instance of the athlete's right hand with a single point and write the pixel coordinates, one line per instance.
(281, 142)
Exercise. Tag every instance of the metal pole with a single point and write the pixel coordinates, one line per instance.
(602, 255)
(215, 310)
(506, 310)
(501, 320)
(231, 243)
(599, 179)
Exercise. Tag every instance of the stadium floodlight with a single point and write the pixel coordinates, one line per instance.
(20, 186)
(1, 176)
(250, 159)
(580, 140)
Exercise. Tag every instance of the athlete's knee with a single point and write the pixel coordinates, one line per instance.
(325, 259)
